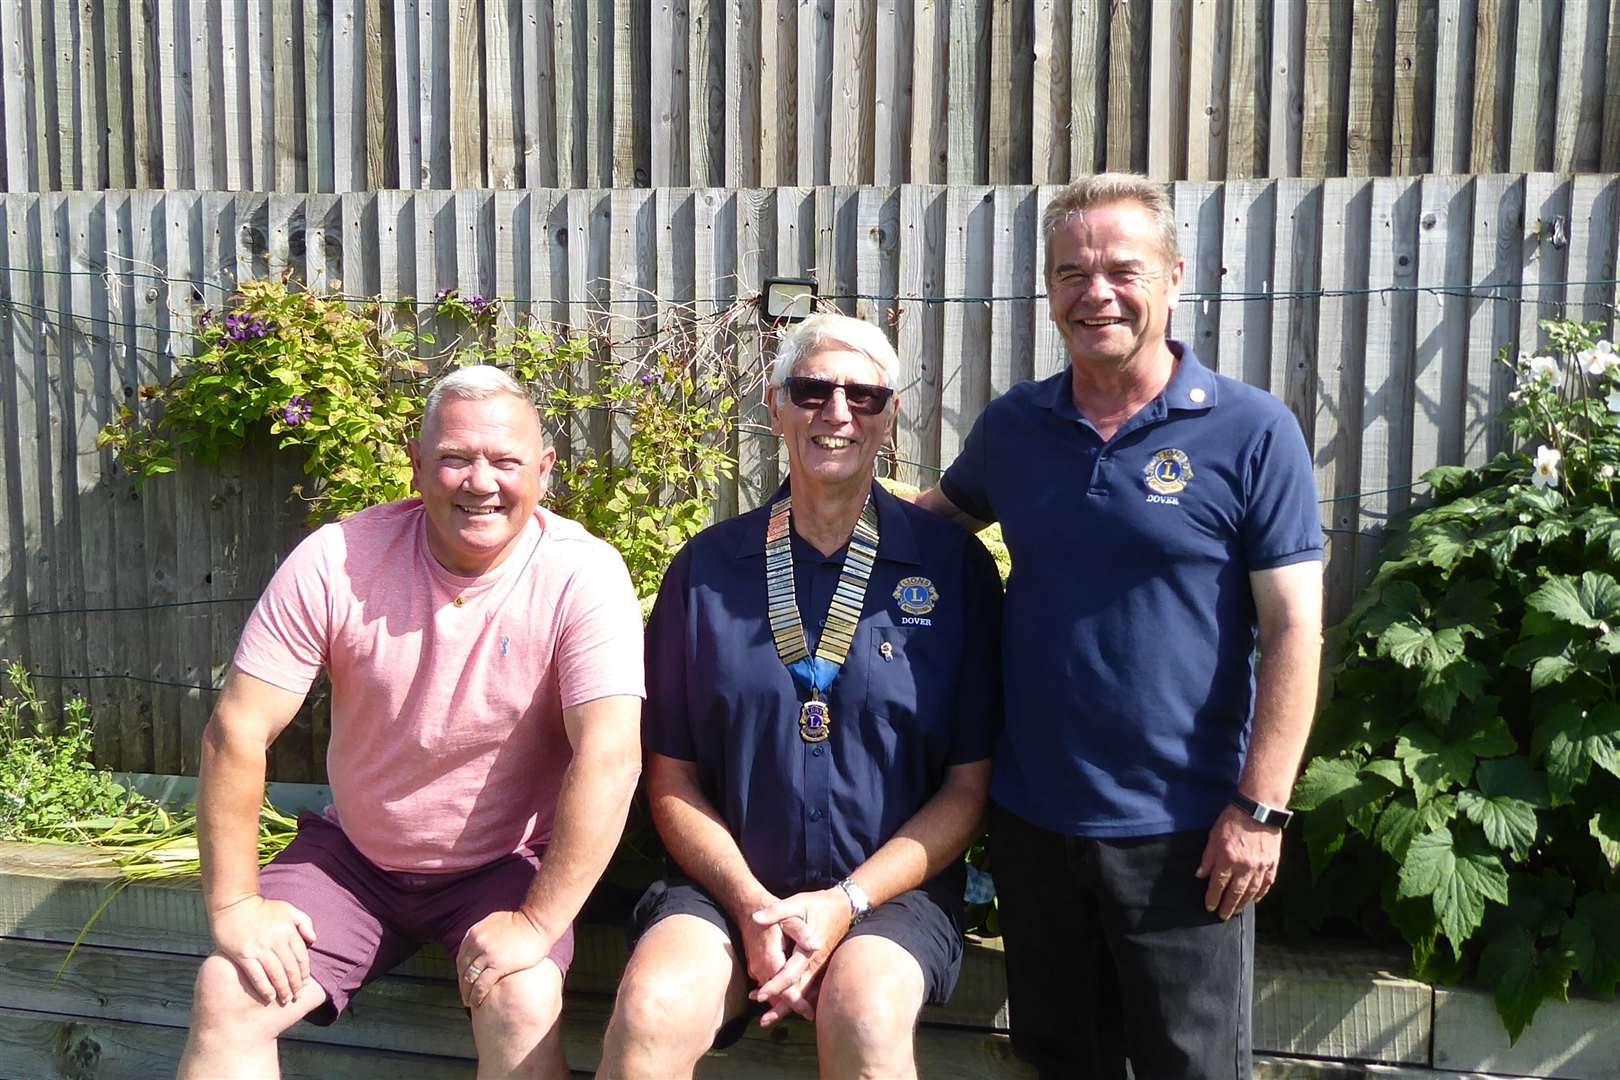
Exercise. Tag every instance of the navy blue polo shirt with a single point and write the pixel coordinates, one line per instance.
(1129, 634)
(919, 693)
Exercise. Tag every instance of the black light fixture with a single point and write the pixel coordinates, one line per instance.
(787, 299)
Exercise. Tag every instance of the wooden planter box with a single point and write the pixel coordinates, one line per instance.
(120, 1007)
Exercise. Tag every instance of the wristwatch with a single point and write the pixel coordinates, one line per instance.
(1265, 815)
(860, 905)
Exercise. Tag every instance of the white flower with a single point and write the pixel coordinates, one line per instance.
(1541, 368)
(1613, 401)
(1546, 474)
(1607, 472)
(1599, 360)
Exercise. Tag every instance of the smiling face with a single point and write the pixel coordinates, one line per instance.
(481, 467)
(830, 448)
(1110, 285)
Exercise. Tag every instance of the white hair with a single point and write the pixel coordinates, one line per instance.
(821, 331)
(476, 382)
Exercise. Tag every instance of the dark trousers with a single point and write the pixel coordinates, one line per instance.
(1112, 957)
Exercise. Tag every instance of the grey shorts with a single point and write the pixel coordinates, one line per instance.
(916, 921)
(368, 919)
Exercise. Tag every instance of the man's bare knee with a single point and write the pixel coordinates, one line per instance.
(528, 1002)
(222, 1005)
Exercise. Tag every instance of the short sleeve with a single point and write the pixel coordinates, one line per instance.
(665, 728)
(978, 691)
(966, 482)
(284, 642)
(1282, 520)
(599, 645)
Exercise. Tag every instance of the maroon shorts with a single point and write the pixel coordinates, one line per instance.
(367, 919)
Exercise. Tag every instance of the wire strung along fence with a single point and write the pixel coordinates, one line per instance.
(1373, 307)
(354, 95)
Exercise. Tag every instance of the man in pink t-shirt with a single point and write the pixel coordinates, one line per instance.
(485, 662)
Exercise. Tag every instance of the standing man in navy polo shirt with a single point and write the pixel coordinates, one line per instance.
(822, 703)
(1162, 523)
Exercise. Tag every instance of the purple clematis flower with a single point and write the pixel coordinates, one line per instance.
(297, 411)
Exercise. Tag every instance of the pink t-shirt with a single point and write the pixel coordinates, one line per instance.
(447, 747)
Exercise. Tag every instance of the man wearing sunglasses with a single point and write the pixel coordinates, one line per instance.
(823, 698)
(1162, 521)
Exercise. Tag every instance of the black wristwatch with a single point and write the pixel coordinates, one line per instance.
(1265, 815)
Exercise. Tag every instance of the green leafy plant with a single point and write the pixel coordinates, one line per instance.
(1469, 749)
(344, 385)
(49, 787)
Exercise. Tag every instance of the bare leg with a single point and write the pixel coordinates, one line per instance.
(233, 1033)
(682, 983)
(518, 1030)
(870, 997)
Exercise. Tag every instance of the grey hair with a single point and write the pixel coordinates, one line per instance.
(476, 382)
(1113, 187)
(820, 331)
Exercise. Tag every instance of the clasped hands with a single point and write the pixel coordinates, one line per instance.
(787, 945)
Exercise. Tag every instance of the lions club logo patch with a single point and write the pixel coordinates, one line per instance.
(916, 595)
(1168, 472)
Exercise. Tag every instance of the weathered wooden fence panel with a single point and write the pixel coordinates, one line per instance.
(358, 95)
(1373, 307)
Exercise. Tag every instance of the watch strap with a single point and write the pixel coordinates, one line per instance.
(1265, 815)
(860, 905)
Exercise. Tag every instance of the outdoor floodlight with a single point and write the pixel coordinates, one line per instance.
(788, 299)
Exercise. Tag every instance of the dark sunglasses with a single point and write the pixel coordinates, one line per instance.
(862, 399)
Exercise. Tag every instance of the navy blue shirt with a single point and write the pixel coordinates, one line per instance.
(1130, 627)
(918, 694)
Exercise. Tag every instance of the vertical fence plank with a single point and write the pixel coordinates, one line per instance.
(1342, 334)
(289, 161)
(965, 376)
(134, 723)
(632, 91)
(47, 139)
(234, 159)
(15, 558)
(1453, 86)
(567, 45)
(1593, 248)
(259, 89)
(1088, 88)
(1411, 109)
(1493, 322)
(1050, 114)
(892, 104)
(705, 116)
(1248, 222)
(1012, 266)
(1248, 90)
(1207, 59)
(1543, 255)
(1051, 354)
(1327, 88)
(743, 101)
(54, 368)
(853, 83)
(918, 335)
(930, 133)
(1367, 140)
(436, 93)
(1198, 233)
(1578, 118)
(814, 91)
(465, 91)
(778, 93)
(23, 164)
(968, 121)
(757, 478)
(500, 64)
(600, 27)
(1440, 350)
(1285, 145)
(1527, 84)
(93, 77)
(60, 56)
(1167, 84)
(202, 128)
(1128, 40)
(1494, 68)
(31, 344)
(381, 101)
(1296, 270)
(670, 122)
(1610, 154)
(1386, 428)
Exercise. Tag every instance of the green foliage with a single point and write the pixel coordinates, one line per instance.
(344, 387)
(49, 789)
(1469, 750)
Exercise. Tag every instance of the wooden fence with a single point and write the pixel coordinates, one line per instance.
(355, 95)
(1373, 307)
